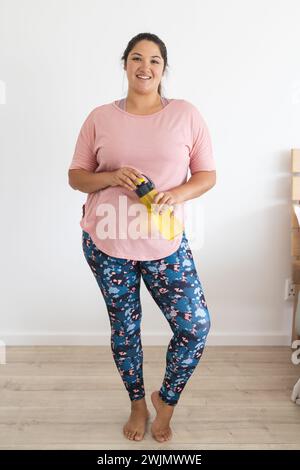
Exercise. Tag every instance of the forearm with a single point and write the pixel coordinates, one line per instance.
(199, 183)
(89, 182)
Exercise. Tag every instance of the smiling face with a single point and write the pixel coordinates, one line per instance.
(144, 59)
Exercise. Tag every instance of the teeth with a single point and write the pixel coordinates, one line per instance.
(144, 77)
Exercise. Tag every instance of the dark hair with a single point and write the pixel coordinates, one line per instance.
(148, 37)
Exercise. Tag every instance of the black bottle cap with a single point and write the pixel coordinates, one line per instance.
(144, 187)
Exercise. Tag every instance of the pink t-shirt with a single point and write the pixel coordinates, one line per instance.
(163, 146)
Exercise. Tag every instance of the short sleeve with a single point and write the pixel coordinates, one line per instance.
(84, 157)
(201, 154)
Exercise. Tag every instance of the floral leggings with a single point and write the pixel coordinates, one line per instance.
(175, 287)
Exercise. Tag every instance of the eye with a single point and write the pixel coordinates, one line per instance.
(138, 58)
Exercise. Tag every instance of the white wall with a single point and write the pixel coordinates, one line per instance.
(238, 62)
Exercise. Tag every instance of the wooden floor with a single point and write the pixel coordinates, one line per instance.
(72, 397)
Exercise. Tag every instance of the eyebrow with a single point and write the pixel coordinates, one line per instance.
(142, 54)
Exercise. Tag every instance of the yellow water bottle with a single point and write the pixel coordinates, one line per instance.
(168, 225)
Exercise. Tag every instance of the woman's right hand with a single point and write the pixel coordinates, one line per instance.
(126, 177)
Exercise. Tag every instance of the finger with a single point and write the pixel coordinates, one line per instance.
(163, 208)
(138, 174)
(165, 204)
(137, 179)
(158, 208)
(129, 182)
(125, 184)
(171, 208)
(158, 197)
(133, 174)
(133, 177)
(133, 170)
(164, 200)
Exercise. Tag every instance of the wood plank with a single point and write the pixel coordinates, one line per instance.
(102, 354)
(295, 242)
(294, 220)
(295, 154)
(200, 382)
(93, 369)
(296, 188)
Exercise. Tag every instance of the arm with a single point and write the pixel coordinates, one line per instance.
(198, 184)
(88, 181)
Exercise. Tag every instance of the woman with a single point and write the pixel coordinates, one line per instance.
(119, 142)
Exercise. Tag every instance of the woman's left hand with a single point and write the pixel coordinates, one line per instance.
(164, 201)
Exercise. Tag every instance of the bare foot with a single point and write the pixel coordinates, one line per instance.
(160, 428)
(135, 427)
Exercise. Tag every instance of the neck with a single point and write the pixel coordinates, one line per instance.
(141, 102)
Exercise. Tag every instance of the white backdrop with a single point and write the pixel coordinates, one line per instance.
(237, 61)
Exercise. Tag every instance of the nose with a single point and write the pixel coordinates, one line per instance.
(144, 63)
